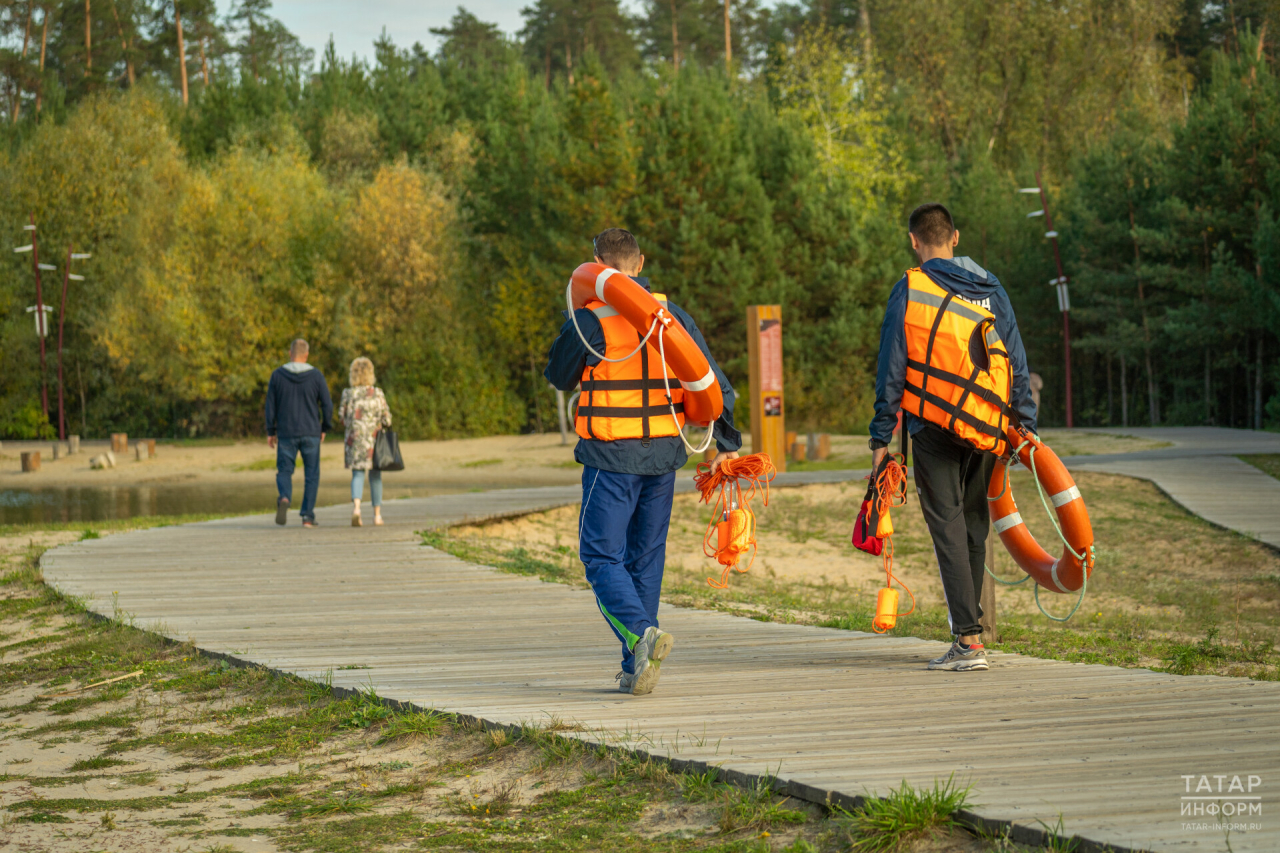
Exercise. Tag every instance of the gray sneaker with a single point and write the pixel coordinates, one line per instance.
(961, 660)
(650, 651)
(625, 681)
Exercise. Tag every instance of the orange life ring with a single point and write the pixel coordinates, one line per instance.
(703, 401)
(1068, 572)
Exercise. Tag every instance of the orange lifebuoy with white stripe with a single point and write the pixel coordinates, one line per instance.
(1068, 572)
(703, 400)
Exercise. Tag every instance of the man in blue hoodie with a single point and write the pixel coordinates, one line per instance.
(299, 412)
(951, 476)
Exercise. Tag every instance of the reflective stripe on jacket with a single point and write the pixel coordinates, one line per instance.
(958, 373)
(627, 399)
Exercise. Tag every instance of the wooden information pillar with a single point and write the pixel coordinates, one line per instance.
(764, 357)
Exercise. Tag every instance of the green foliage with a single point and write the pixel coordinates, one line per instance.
(424, 209)
(882, 825)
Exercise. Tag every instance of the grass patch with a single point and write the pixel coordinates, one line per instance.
(412, 727)
(101, 762)
(883, 825)
(757, 807)
(1268, 463)
(480, 463)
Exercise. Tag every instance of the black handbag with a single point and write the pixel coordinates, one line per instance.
(386, 452)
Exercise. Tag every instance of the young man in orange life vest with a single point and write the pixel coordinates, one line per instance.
(952, 360)
(630, 449)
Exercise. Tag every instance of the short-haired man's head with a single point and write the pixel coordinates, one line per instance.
(299, 348)
(932, 224)
(618, 248)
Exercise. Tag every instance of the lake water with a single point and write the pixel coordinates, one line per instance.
(98, 503)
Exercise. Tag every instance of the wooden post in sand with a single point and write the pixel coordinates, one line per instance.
(30, 461)
(988, 600)
(764, 362)
(119, 442)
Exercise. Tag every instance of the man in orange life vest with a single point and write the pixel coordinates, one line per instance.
(630, 449)
(952, 360)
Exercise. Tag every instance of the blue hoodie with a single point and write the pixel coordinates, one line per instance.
(969, 282)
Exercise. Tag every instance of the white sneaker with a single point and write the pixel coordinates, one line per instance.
(961, 660)
(650, 651)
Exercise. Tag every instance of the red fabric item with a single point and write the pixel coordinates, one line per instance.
(862, 540)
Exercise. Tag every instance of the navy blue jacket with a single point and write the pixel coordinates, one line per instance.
(664, 454)
(969, 282)
(298, 401)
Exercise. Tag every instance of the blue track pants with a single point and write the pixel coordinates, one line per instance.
(623, 544)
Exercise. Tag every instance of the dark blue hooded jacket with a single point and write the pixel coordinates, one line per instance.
(661, 455)
(969, 282)
(298, 401)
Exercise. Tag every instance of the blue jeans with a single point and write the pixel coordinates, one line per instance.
(375, 486)
(622, 541)
(287, 450)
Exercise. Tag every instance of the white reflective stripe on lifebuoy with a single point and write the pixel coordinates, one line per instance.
(1066, 496)
(601, 279)
(1010, 521)
(605, 311)
(1053, 573)
(702, 384)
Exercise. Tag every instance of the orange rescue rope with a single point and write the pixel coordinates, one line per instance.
(890, 491)
(733, 524)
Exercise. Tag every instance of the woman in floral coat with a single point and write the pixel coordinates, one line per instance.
(363, 411)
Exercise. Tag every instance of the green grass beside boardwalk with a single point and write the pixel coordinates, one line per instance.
(1268, 463)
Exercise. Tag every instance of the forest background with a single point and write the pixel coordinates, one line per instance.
(425, 209)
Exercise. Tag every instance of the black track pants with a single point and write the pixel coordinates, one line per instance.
(951, 479)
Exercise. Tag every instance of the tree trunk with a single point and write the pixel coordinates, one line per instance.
(26, 39)
(204, 64)
(548, 65)
(1208, 389)
(675, 38)
(1110, 394)
(124, 44)
(568, 61)
(1153, 402)
(88, 38)
(1257, 387)
(182, 52)
(44, 44)
(864, 23)
(728, 42)
(1124, 392)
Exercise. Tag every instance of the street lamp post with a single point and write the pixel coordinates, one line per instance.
(42, 326)
(1064, 299)
(62, 316)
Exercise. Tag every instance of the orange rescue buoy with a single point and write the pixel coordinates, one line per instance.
(703, 401)
(1068, 572)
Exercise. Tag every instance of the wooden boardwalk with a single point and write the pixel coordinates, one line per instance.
(830, 712)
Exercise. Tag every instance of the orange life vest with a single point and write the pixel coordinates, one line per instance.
(958, 374)
(627, 399)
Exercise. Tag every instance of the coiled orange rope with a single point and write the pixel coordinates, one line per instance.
(732, 522)
(890, 492)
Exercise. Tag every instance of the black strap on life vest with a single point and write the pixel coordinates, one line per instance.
(628, 411)
(953, 410)
(928, 352)
(968, 385)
